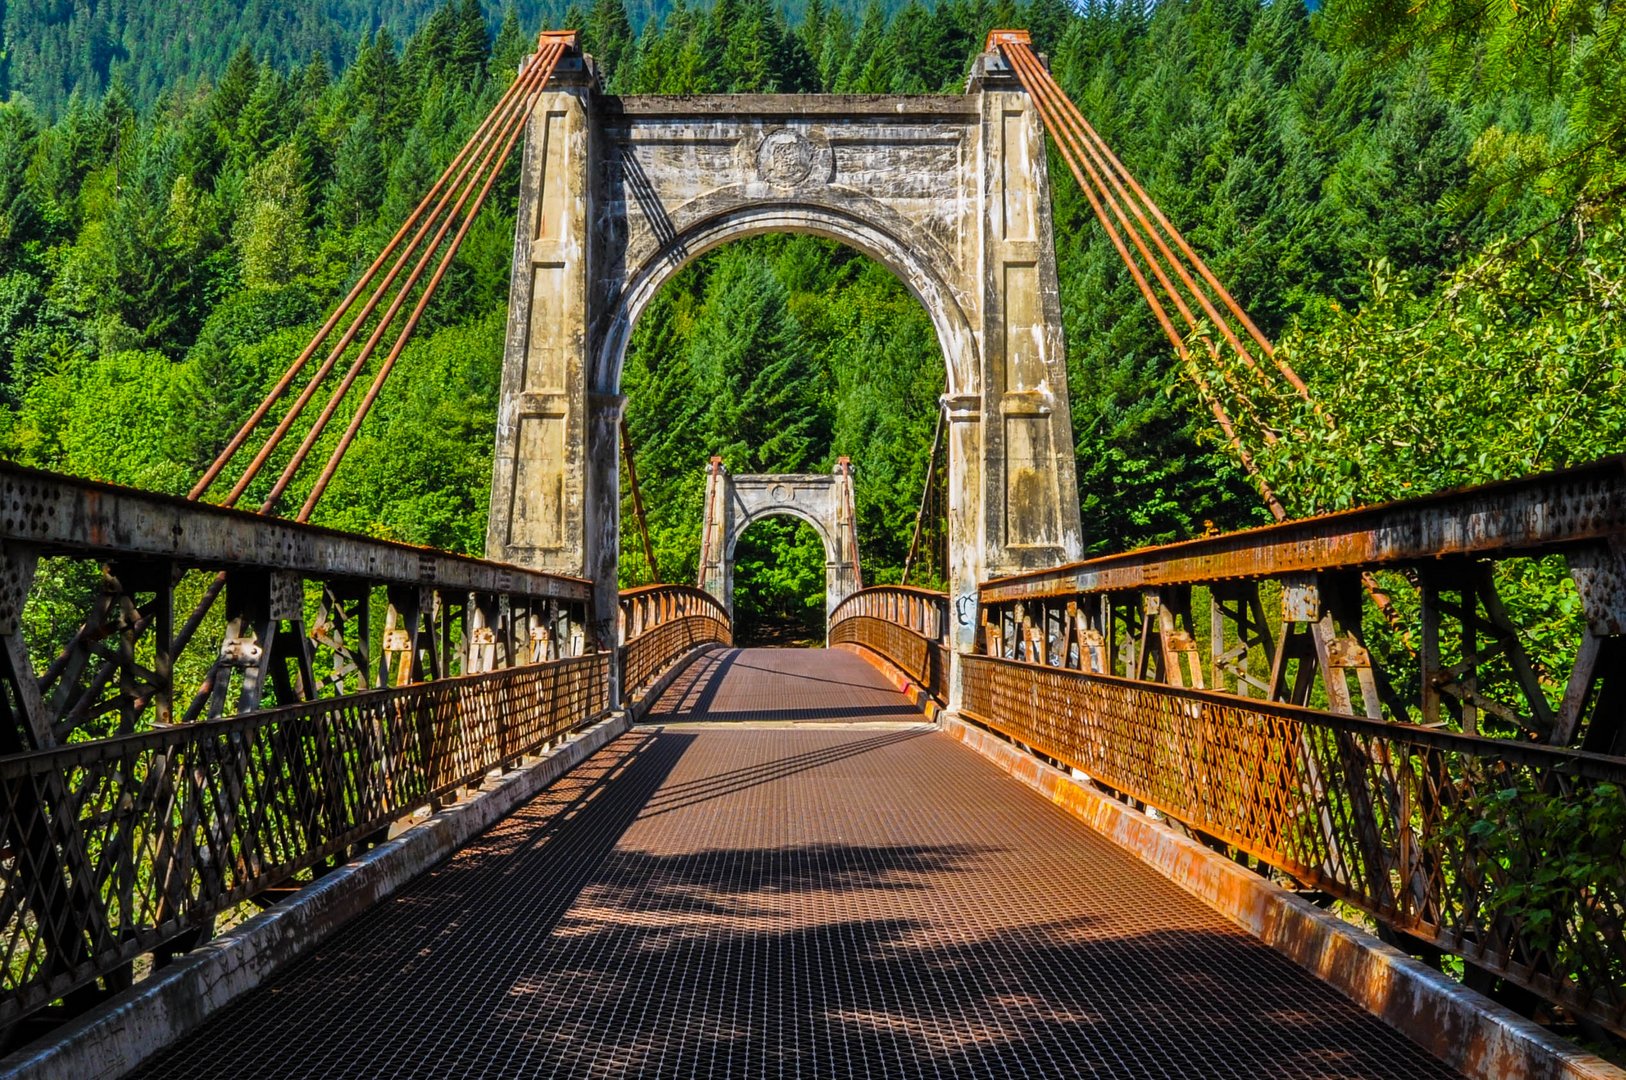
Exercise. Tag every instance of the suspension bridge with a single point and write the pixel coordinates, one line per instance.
(296, 802)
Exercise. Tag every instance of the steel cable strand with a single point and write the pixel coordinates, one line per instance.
(1208, 276)
(388, 364)
(1038, 81)
(1047, 113)
(463, 182)
(1045, 90)
(340, 392)
(1113, 165)
(459, 163)
(236, 443)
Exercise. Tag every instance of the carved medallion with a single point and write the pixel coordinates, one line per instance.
(785, 157)
(780, 493)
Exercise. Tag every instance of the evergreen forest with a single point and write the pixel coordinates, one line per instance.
(1419, 203)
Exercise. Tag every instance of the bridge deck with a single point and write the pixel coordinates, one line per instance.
(772, 901)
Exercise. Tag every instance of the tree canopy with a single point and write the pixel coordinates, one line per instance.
(1422, 205)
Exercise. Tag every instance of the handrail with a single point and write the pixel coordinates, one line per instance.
(56, 514)
(905, 624)
(660, 624)
(1531, 515)
(1473, 845)
(119, 846)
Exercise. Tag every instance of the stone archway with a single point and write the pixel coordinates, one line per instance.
(735, 503)
(950, 192)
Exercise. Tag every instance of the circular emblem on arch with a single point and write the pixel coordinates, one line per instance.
(780, 493)
(786, 157)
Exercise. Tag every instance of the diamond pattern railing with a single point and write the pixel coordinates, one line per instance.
(1507, 854)
(114, 847)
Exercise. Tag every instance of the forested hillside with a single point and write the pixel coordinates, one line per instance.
(1424, 207)
(50, 49)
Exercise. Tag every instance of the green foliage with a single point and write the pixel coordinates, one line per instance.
(1517, 364)
(1547, 860)
(1375, 191)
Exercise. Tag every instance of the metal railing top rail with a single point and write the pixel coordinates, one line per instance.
(684, 590)
(851, 604)
(1560, 760)
(1531, 515)
(67, 515)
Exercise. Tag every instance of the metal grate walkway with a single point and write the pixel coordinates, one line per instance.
(739, 901)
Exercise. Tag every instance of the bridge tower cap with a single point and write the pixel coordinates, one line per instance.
(997, 38)
(567, 37)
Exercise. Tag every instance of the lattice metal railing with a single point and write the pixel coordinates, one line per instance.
(906, 625)
(1508, 855)
(1318, 695)
(660, 624)
(117, 846)
(156, 770)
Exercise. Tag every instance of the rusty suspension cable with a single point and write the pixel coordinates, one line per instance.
(460, 175)
(1072, 144)
(925, 496)
(1037, 80)
(638, 503)
(507, 116)
(456, 166)
(539, 72)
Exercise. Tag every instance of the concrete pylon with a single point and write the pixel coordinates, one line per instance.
(735, 503)
(949, 192)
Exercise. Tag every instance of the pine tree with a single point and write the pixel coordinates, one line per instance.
(608, 36)
(471, 43)
(511, 45)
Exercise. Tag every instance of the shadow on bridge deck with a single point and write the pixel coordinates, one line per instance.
(781, 686)
(738, 902)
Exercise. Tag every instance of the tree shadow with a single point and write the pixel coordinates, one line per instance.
(696, 693)
(549, 948)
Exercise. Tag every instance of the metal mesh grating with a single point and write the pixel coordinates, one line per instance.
(772, 903)
(791, 685)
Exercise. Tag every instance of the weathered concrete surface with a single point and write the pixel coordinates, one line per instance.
(735, 503)
(950, 192)
(1464, 1029)
(115, 1038)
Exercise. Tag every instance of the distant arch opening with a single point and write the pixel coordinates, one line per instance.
(779, 583)
(780, 353)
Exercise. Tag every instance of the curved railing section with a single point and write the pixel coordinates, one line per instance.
(1349, 701)
(660, 624)
(906, 625)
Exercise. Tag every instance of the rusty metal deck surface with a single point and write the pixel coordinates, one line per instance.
(773, 902)
(789, 685)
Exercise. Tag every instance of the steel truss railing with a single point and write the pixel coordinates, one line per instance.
(906, 625)
(155, 772)
(1238, 684)
(118, 846)
(660, 624)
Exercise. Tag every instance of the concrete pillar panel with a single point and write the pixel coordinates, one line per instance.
(949, 192)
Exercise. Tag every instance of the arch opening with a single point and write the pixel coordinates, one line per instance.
(780, 565)
(912, 265)
(779, 353)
